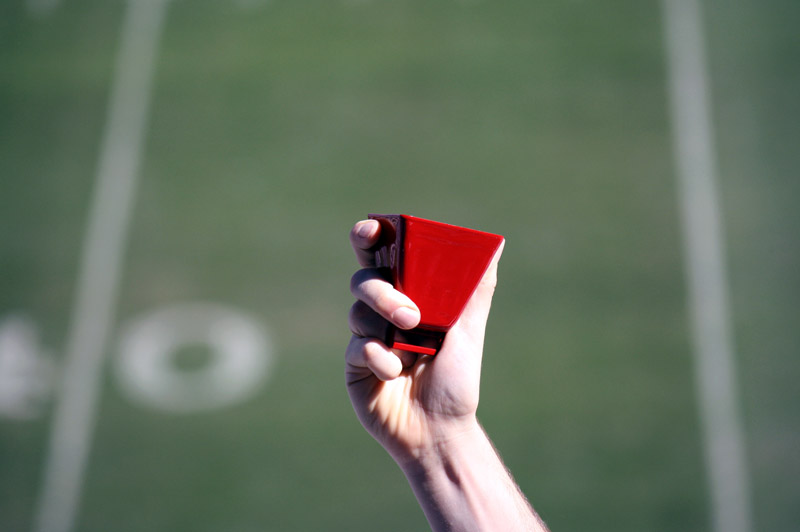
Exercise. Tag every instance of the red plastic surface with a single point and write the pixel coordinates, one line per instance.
(414, 348)
(437, 265)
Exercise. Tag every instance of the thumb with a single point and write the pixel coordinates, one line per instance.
(473, 320)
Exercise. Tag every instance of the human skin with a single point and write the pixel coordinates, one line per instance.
(422, 409)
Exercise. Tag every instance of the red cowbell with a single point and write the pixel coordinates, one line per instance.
(438, 266)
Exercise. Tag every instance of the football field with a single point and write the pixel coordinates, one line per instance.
(177, 182)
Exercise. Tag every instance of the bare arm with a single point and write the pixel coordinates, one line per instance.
(463, 485)
(422, 409)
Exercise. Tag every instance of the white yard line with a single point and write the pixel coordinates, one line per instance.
(703, 238)
(100, 267)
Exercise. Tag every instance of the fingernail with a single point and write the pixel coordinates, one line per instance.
(365, 229)
(405, 317)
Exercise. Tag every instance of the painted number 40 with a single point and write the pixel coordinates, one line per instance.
(228, 353)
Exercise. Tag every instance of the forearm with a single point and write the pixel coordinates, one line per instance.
(462, 485)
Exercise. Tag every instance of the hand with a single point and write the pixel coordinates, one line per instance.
(411, 403)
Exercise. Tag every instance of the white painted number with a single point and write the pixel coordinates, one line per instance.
(26, 374)
(238, 349)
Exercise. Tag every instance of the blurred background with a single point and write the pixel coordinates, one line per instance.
(177, 181)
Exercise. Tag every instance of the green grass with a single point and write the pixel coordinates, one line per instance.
(273, 128)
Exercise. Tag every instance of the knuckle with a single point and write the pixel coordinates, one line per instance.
(369, 286)
(357, 280)
(364, 322)
(356, 317)
(354, 349)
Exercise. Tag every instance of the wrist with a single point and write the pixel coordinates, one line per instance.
(462, 485)
(442, 442)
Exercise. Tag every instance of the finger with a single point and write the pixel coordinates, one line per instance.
(365, 322)
(476, 313)
(368, 286)
(407, 358)
(363, 236)
(489, 280)
(366, 356)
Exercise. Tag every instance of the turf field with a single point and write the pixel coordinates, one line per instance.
(260, 132)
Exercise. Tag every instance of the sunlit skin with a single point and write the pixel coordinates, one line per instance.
(410, 402)
(422, 409)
